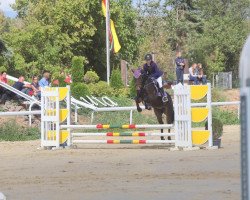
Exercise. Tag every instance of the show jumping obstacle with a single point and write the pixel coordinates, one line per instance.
(54, 133)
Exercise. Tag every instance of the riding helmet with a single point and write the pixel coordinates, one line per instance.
(148, 56)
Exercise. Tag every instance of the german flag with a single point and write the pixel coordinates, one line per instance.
(113, 39)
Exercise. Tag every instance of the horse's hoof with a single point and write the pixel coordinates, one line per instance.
(162, 138)
(139, 109)
(169, 137)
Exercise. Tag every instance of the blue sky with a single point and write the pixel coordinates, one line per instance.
(5, 7)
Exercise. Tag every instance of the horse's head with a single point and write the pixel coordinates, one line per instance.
(138, 78)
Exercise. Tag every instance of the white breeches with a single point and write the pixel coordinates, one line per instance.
(159, 81)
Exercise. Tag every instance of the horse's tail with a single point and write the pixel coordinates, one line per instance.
(170, 107)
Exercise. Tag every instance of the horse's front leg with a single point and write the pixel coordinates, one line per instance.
(137, 102)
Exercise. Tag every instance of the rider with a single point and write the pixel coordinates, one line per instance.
(151, 69)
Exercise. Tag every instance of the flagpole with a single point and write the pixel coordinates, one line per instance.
(107, 40)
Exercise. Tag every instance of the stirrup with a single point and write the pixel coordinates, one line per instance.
(165, 99)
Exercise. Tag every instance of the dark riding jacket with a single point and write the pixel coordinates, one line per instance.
(152, 70)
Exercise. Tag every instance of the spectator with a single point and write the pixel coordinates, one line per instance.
(3, 78)
(201, 76)
(193, 74)
(44, 82)
(36, 89)
(180, 64)
(19, 85)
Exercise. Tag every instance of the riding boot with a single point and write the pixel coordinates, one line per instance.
(164, 95)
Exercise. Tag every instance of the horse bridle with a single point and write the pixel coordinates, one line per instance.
(152, 82)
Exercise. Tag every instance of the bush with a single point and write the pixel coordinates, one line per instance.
(11, 131)
(217, 127)
(91, 77)
(123, 92)
(116, 79)
(101, 89)
(60, 81)
(77, 69)
(79, 90)
(2, 69)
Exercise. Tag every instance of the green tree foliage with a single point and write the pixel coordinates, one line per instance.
(153, 32)
(209, 32)
(5, 52)
(2, 69)
(91, 77)
(49, 33)
(215, 32)
(101, 89)
(79, 90)
(116, 79)
(77, 69)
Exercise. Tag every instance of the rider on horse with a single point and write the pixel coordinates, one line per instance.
(151, 69)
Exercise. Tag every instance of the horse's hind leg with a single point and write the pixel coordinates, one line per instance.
(169, 112)
(158, 114)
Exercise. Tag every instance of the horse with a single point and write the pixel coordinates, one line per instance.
(150, 96)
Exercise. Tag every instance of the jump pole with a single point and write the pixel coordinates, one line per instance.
(125, 126)
(123, 141)
(114, 134)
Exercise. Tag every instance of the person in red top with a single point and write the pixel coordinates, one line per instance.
(3, 78)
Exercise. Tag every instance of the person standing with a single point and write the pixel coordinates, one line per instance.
(180, 64)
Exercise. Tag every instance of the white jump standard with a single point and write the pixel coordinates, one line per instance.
(54, 133)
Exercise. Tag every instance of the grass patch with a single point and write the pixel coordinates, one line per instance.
(218, 95)
(11, 131)
(122, 117)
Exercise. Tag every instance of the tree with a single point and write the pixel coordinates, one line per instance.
(49, 33)
(224, 32)
(77, 69)
(116, 79)
(183, 21)
(153, 34)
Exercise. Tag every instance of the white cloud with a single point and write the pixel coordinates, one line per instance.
(5, 5)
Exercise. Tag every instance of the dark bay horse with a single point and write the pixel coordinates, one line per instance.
(150, 96)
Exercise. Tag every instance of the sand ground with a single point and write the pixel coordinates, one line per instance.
(121, 172)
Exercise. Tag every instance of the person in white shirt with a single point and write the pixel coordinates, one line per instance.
(193, 74)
